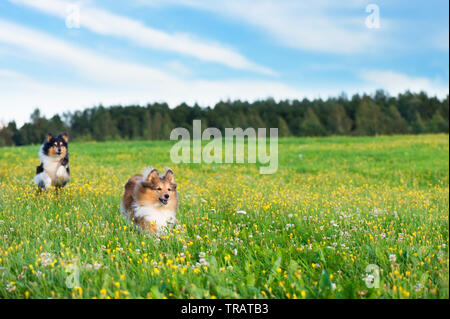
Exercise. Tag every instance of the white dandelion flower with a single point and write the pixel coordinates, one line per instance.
(392, 258)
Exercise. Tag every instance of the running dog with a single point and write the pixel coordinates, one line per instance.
(54, 169)
(151, 200)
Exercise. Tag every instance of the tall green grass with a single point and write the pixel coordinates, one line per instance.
(335, 206)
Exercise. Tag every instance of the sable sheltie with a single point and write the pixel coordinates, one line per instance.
(151, 200)
(54, 168)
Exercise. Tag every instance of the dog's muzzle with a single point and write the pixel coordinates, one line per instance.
(164, 201)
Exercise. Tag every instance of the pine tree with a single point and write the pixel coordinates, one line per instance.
(17, 134)
(6, 136)
(437, 124)
(363, 115)
(255, 121)
(396, 124)
(157, 126)
(418, 126)
(38, 129)
(338, 122)
(147, 126)
(167, 126)
(283, 128)
(369, 119)
(103, 126)
(310, 125)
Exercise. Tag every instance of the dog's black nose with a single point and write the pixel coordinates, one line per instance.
(166, 196)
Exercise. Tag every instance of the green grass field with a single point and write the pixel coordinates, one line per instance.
(335, 206)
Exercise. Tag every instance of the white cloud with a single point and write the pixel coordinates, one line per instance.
(21, 94)
(396, 82)
(107, 80)
(86, 62)
(179, 68)
(323, 25)
(109, 24)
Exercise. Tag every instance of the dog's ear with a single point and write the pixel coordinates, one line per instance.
(65, 137)
(169, 176)
(150, 176)
(49, 137)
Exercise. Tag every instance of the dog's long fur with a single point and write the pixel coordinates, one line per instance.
(54, 169)
(151, 200)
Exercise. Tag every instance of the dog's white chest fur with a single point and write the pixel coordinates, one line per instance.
(51, 167)
(161, 217)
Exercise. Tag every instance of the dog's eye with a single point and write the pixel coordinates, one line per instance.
(159, 188)
(169, 190)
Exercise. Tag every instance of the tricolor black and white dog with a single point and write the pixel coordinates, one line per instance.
(54, 168)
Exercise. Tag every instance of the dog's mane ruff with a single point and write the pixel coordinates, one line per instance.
(146, 171)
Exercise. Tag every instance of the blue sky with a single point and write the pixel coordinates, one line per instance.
(62, 55)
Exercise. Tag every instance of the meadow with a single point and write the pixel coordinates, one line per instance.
(335, 206)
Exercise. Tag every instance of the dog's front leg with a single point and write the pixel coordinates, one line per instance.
(147, 225)
(62, 172)
(42, 180)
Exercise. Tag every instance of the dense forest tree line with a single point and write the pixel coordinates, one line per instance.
(408, 113)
